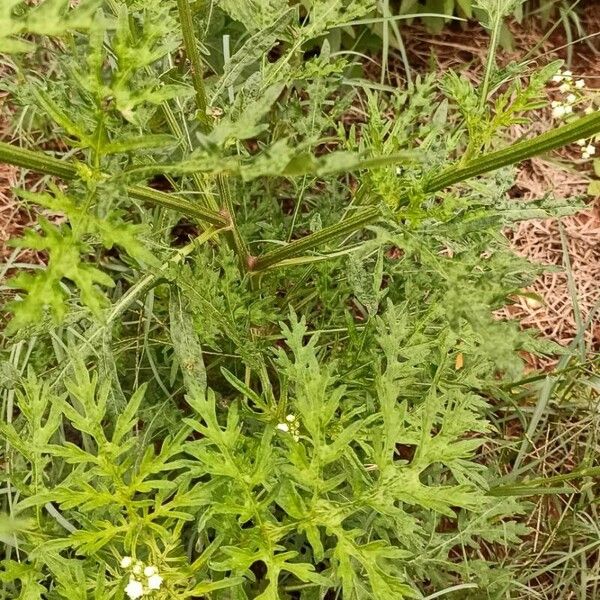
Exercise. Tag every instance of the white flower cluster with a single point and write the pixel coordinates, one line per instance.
(143, 579)
(291, 426)
(587, 149)
(574, 91)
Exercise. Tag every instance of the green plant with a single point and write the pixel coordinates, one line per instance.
(291, 403)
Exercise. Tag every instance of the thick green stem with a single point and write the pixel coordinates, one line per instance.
(345, 227)
(48, 165)
(583, 128)
(191, 49)
(39, 162)
(173, 202)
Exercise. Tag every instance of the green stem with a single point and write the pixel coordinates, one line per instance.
(191, 48)
(36, 161)
(583, 128)
(48, 165)
(345, 227)
(233, 233)
(485, 86)
(173, 202)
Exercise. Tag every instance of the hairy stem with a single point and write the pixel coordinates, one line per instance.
(582, 128)
(345, 227)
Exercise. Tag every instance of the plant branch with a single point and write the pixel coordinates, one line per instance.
(489, 67)
(585, 127)
(193, 55)
(48, 165)
(582, 128)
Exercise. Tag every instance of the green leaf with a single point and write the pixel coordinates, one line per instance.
(247, 124)
(187, 346)
(466, 7)
(44, 289)
(48, 17)
(255, 48)
(28, 575)
(127, 419)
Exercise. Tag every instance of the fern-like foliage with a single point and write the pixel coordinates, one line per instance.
(66, 246)
(357, 481)
(281, 398)
(48, 17)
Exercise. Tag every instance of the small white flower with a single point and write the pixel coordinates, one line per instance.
(580, 84)
(565, 87)
(134, 589)
(581, 142)
(555, 103)
(154, 581)
(585, 155)
(137, 569)
(150, 570)
(591, 150)
(283, 427)
(568, 109)
(290, 418)
(567, 74)
(589, 110)
(571, 98)
(557, 78)
(559, 111)
(126, 562)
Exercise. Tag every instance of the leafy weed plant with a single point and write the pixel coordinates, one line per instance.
(258, 361)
